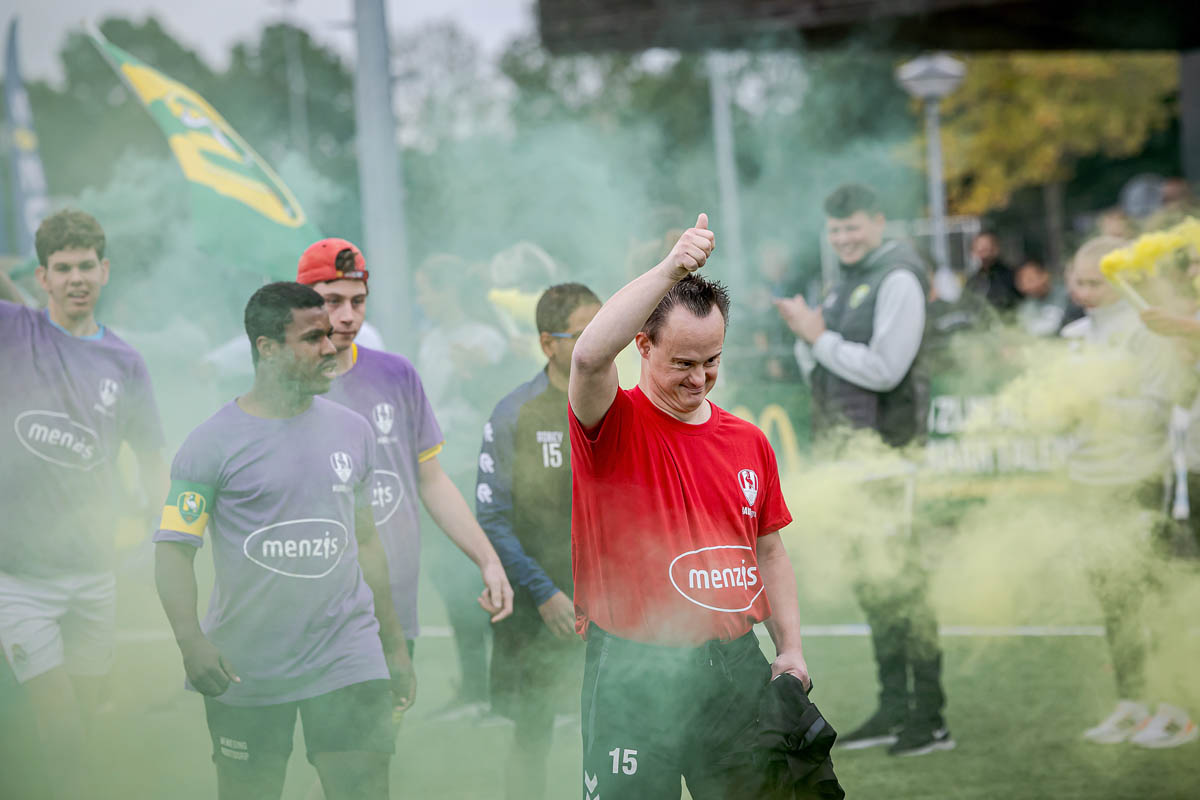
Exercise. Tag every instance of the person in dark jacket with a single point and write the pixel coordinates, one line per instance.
(861, 351)
(994, 280)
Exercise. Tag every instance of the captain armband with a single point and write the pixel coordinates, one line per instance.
(187, 507)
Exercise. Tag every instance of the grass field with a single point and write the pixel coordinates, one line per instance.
(1017, 707)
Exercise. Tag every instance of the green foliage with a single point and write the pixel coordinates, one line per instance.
(1022, 119)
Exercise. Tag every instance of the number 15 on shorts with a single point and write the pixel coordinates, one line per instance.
(623, 761)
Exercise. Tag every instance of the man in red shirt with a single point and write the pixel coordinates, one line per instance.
(675, 546)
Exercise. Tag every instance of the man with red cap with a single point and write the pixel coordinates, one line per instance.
(386, 390)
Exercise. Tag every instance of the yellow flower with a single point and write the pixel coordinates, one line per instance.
(1189, 229)
(1141, 258)
(1116, 261)
(1152, 247)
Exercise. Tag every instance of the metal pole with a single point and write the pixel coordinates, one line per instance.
(944, 280)
(380, 181)
(937, 191)
(297, 86)
(730, 223)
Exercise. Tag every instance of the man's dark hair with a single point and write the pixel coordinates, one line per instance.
(559, 302)
(695, 293)
(849, 198)
(68, 229)
(269, 311)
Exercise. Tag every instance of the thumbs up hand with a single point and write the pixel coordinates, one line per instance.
(692, 250)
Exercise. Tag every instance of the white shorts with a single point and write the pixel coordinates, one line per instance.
(68, 620)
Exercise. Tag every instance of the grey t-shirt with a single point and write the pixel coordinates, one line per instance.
(290, 608)
(66, 405)
(385, 389)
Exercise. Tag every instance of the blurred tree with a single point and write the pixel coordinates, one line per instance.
(253, 94)
(1023, 119)
(803, 123)
(445, 88)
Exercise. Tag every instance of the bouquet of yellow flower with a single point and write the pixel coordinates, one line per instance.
(1141, 259)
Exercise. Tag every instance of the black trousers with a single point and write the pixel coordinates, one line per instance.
(904, 633)
(652, 715)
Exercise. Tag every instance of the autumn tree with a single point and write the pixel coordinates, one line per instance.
(1022, 119)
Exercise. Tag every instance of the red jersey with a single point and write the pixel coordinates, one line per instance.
(665, 523)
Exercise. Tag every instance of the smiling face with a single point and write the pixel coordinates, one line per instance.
(346, 302)
(680, 369)
(304, 360)
(854, 237)
(72, 280)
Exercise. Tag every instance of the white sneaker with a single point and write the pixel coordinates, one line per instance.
(464, 712)
(1126, 720)
(1169, 727)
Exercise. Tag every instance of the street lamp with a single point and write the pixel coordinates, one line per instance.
(929, 79)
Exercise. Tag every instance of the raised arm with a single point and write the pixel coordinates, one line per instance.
(593, 371)
(9, 290)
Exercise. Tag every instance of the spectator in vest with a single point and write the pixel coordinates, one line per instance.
(993, 280)
(860, 350)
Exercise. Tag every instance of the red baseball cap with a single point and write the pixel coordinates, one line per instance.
(331, 260)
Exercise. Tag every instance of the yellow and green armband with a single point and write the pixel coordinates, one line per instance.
(186, 510)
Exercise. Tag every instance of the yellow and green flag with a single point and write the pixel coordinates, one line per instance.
(242, 212)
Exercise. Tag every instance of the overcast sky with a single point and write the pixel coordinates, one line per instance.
(212, 26)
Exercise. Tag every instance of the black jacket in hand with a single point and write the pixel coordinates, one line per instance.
(794, 741)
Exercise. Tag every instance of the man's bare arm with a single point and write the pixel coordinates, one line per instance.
(450, 511)
(175, 578)
(373, 562)
(779, 582)
(593, 371)
(9, 290)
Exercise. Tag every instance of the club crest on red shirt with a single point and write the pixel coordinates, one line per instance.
(748, 480)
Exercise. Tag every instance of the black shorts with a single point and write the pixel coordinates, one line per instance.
(355, 718)
(532, 670)
(653, 714)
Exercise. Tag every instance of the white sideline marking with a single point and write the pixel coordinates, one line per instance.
(443, 632)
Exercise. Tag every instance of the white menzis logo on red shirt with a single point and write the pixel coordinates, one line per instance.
(720, 578)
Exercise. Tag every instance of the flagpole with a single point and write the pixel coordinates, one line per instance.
(381, 184)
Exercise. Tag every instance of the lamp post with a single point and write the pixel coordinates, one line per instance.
(929, 78)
